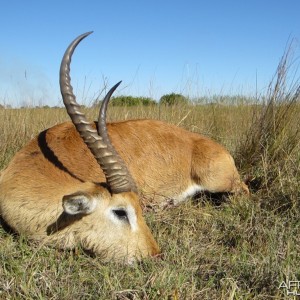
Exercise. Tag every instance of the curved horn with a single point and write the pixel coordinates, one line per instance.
(102, 130)
(117, 175)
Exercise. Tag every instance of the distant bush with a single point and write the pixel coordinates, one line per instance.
(132, 101)
(173, 99)
(225, 100)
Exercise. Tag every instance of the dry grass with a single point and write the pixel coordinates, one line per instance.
(241, 249)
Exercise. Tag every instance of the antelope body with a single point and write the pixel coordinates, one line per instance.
(54, 190)
(166, 162)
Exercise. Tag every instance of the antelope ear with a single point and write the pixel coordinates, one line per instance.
(79, 203)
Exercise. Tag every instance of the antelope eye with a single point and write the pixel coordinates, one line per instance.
(121, 214)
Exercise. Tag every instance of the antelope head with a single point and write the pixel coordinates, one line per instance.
(111, 220)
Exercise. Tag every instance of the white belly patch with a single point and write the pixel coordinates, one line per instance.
(190, 191)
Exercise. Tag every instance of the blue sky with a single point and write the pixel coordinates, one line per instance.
(196, 48)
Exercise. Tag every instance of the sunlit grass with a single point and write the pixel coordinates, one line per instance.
(240, 249)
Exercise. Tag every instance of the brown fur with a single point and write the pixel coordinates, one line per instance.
(163, 159)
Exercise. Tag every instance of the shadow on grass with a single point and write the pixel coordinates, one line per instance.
(6, 227)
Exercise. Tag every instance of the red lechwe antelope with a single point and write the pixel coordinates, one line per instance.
(70, 185)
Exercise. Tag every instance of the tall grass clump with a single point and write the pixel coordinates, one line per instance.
(269, 150)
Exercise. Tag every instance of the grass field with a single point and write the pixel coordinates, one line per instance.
(241, 248)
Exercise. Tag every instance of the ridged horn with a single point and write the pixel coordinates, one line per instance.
(117, 175)
(102, 130)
